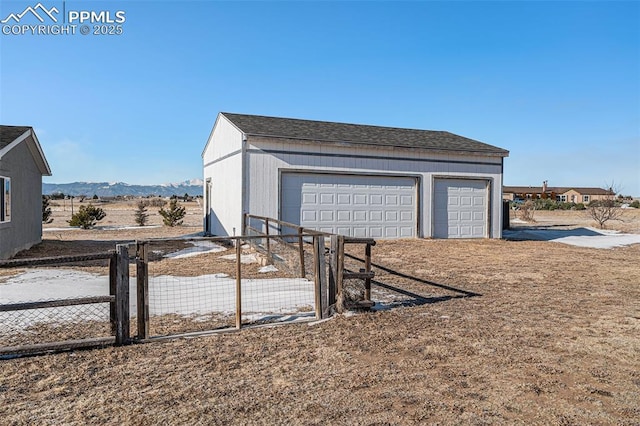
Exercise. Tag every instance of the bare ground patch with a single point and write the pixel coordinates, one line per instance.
(491, 332)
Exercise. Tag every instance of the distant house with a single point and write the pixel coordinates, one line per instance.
(351, 179)
(22, 165)
(563, 194)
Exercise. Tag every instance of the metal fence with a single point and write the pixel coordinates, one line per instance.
(65, 302)
(276, 273)
(207, 284)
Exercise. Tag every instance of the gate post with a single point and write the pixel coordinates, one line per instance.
(238, 283)
(142, 285)
(336, 268)
(321, 289)
(122, 294)
(113, 273)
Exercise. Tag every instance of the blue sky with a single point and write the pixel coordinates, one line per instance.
(555, 83)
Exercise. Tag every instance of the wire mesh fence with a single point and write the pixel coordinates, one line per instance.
(203, 284)
(55, 299)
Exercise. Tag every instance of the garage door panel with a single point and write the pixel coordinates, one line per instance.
(359, 216)
(344, 198)
(364, 206)
(406, 232)
(309, 215)
(326, 216)
(460, 208)
(344, 216)
(359, 199)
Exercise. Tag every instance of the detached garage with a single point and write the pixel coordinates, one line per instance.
(356, 180)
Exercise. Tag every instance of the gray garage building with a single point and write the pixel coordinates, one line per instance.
(357, 180)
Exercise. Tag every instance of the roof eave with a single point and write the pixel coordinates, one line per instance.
(501, 153)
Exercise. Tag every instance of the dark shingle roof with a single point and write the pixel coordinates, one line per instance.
(323, 131)
(9, 134)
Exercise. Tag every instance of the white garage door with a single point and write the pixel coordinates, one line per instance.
(460, 208)
(357, 206)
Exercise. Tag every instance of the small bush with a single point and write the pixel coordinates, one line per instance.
(580, 206)
(174, 214)
(46, 210)
(527, 210)
(87, 217)
(141, 214)
(635, 204)
(157, 202)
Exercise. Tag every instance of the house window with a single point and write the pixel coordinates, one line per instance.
(585, 198)
(562, 198)
(5, 199)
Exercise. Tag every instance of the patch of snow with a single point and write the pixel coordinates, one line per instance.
(605, 241)
(102, 228)
(582, 237)
(244, 258)
(119, 228)
(268, 268)
(199, 247)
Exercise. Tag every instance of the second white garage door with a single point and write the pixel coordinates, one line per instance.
(353, 205)
(460, 208)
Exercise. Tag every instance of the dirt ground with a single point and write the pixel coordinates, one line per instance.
(481, 332)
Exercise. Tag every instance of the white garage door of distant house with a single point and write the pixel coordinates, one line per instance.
(460, 208)
(353, 205)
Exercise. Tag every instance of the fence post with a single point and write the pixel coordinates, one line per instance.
(321, 278)
(238, 284)
(245, 222)
(113, 261)
(339, 274)
(266, 224)
(367, 268)
(301, 249)
(122, 294)
(335, 275)
(142, 285)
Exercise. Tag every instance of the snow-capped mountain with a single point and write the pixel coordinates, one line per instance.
(192, 187)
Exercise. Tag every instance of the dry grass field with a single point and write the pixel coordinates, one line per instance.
(482, 332)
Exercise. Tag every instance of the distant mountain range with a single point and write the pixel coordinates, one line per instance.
(192, 187)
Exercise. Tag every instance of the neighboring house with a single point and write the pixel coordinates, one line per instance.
(558, 193)
(22, 165)
(357, 180)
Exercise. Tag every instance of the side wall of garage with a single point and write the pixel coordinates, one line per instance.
(267, 159)
(223, 167)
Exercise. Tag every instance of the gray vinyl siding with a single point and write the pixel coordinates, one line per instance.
(267, 159)
(25, 227)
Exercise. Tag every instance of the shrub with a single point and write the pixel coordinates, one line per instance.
(87, 217)
(174, 214)
(580, 206)
(635, 204)
(157, 202)
(526, 211)
(46, 210)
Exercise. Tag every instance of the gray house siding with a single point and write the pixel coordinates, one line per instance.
(25, 227)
